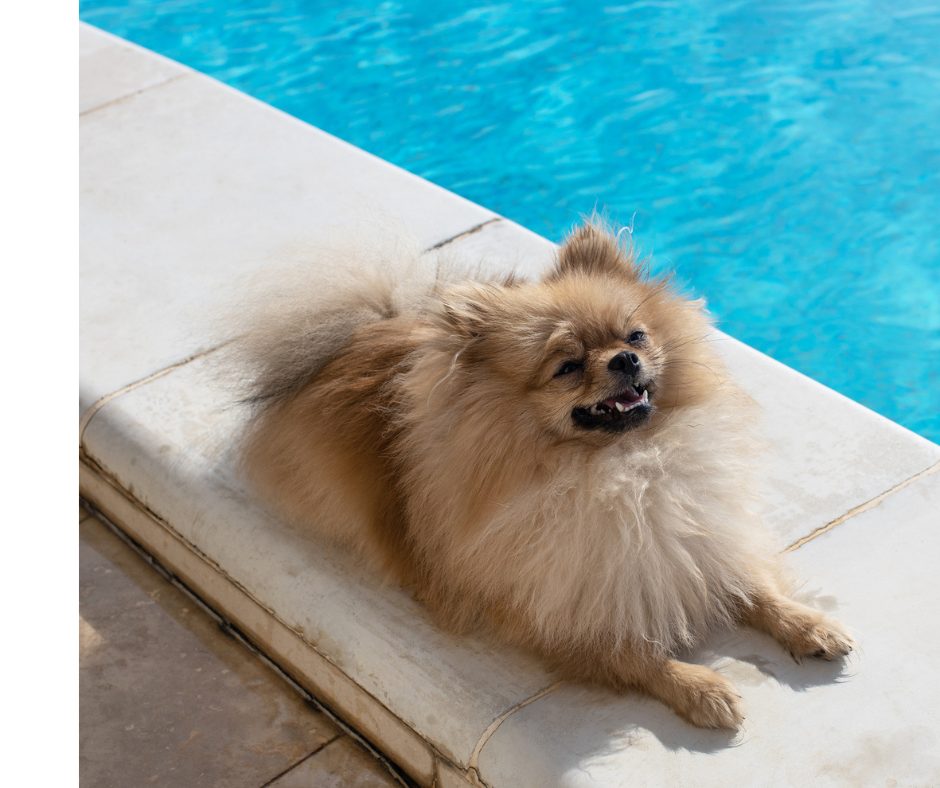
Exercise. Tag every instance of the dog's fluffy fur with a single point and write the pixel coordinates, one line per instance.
(563, 462)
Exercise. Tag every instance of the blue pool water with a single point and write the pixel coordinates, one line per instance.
(783, 157)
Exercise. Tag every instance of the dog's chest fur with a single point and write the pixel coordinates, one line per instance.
(655, 543)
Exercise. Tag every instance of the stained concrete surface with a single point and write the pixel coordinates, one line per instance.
(340, 764)
(166, 698)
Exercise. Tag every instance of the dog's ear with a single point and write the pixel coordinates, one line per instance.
(470, 309)
(592, 251)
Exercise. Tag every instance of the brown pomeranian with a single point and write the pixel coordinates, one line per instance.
(564, 463)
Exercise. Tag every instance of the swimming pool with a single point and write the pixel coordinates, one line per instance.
(783, 158)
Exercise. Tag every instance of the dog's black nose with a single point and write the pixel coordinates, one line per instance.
(625, 361)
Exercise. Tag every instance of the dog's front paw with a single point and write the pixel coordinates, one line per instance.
(808, 633)
(825, 640)
(705, 698)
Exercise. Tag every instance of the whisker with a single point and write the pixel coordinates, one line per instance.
(683, 342)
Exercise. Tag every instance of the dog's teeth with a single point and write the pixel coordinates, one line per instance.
(646, 396)
(620, 406)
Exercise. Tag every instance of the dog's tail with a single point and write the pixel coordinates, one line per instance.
(300, 317)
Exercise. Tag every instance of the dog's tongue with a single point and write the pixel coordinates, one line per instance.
(628, 397)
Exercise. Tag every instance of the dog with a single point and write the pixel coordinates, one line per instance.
(565, 463)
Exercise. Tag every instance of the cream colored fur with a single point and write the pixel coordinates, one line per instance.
(653, 540)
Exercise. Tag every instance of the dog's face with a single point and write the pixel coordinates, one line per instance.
(591, 353)
(599, 367)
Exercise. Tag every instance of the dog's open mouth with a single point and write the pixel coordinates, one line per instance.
(628, 409)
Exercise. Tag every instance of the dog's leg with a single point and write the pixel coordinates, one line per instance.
(801, 630)
(696, 693)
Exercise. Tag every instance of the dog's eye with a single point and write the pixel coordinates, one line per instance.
(637, 338)
(568, 367)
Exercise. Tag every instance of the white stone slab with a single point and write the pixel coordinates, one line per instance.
(875, 722)
(826, 454)
(111, 68)
(171, 444)
(189, 186)
(502, 247)
(92, 39)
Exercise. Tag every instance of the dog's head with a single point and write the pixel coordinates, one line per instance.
(593, 351)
